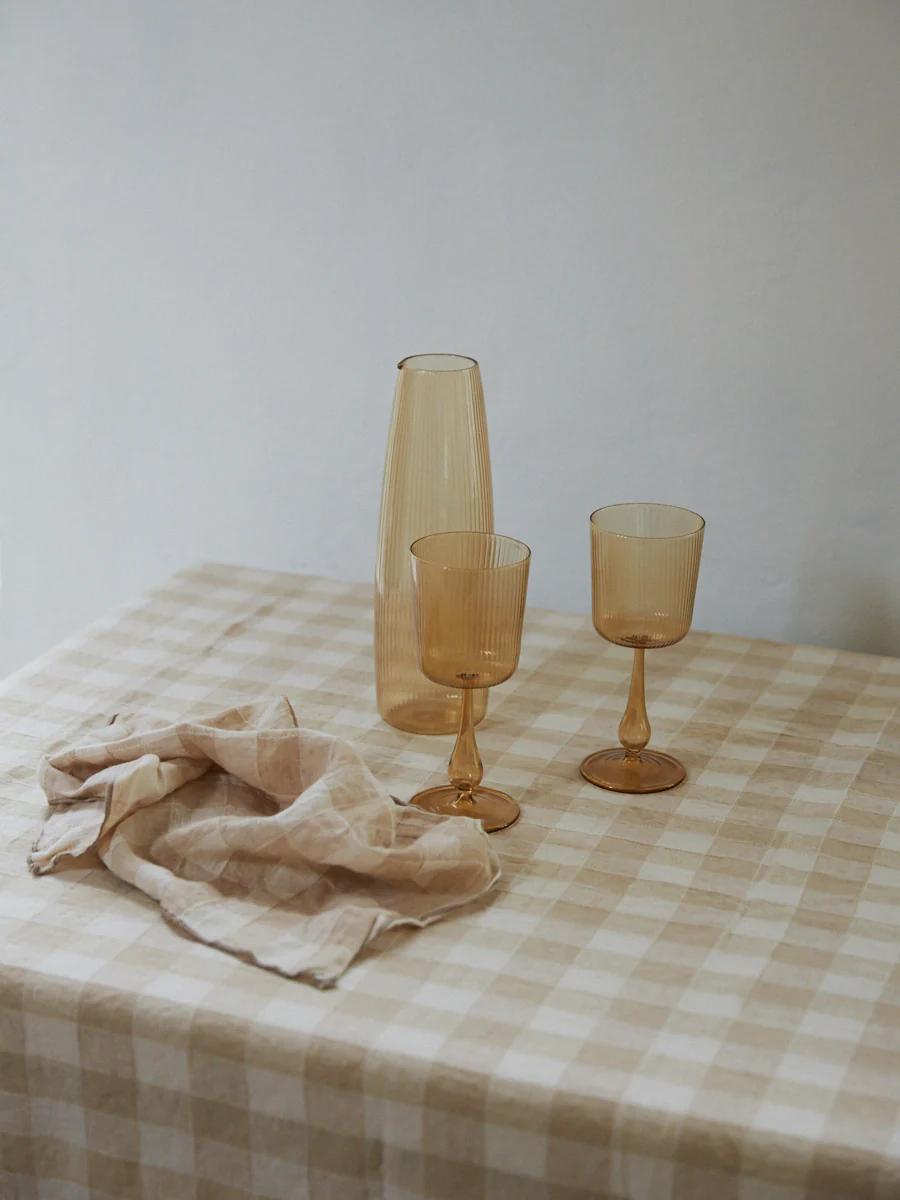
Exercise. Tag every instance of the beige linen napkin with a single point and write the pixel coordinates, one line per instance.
(270, 841)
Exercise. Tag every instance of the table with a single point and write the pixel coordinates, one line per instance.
(689, 995)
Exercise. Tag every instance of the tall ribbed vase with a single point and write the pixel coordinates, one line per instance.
(437, 477)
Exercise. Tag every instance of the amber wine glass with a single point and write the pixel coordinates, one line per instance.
(469, 604)
(644, 564)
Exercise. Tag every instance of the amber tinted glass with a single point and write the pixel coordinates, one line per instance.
(437, 476)
(470, 602)
(644, 560)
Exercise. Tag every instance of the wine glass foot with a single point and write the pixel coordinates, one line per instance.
(618, 771)
(494, 809)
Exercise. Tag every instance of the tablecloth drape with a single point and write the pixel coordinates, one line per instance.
(690, 995)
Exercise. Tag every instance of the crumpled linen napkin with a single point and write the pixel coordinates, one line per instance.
(269, 841)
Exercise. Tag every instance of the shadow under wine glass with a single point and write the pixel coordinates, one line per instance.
(644, 564)
(470, 602)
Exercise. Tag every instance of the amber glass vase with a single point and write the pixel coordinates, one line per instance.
(437, 478)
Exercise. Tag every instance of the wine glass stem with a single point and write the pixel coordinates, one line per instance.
(465, 762)
(634, 728)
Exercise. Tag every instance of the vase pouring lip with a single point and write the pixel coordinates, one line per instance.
(437, 363)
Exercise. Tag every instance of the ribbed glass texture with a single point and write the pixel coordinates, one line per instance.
(470, 602)
(645, 559)
(437, 478)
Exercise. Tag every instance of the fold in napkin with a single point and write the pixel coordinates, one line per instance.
(269, 841)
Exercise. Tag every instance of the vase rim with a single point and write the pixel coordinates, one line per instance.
(437, 363)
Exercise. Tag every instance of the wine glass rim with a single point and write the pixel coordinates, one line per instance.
(481, 533)
(409, 363)
(663, 537)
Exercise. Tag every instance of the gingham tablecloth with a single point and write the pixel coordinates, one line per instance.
(692, 995)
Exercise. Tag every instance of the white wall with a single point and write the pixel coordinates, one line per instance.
(669, 229)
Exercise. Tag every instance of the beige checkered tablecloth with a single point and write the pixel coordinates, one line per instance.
(692, 995)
